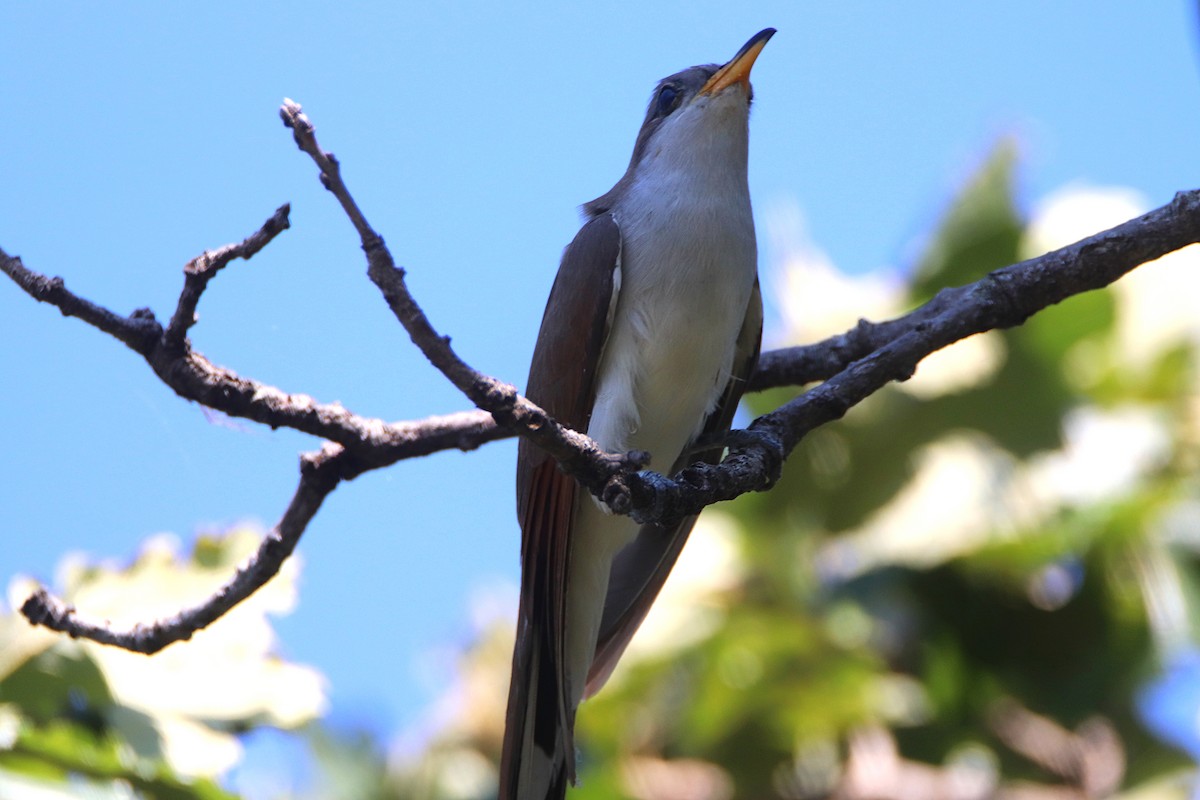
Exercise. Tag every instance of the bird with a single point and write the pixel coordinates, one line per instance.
(652, 327)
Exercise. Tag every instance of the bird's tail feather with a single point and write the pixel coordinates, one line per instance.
(533, 764)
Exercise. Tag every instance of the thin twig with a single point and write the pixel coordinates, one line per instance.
(200, 270)
(320, 474)
(194, 377)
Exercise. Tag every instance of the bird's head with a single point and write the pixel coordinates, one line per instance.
(693, 114)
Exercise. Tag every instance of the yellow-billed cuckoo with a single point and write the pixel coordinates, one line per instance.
(652, 327)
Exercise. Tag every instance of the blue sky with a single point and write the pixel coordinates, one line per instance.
(137, 135)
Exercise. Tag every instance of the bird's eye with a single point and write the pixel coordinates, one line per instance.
(668, 98)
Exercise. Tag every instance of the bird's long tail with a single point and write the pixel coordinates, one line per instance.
(533, 764)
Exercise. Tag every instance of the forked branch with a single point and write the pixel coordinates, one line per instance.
(853, 365)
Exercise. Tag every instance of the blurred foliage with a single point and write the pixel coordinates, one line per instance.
(81, 720)
(982, 583)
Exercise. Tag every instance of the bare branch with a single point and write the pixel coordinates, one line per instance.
(137, 331)
(802, 364)
(320, 474)
(193, 377)
(578, 454)
(371, 443)
(199, 271)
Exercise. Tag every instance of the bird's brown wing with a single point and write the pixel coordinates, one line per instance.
(641, 568)
(562, 380)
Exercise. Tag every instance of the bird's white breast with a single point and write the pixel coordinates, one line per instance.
(688, 269)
